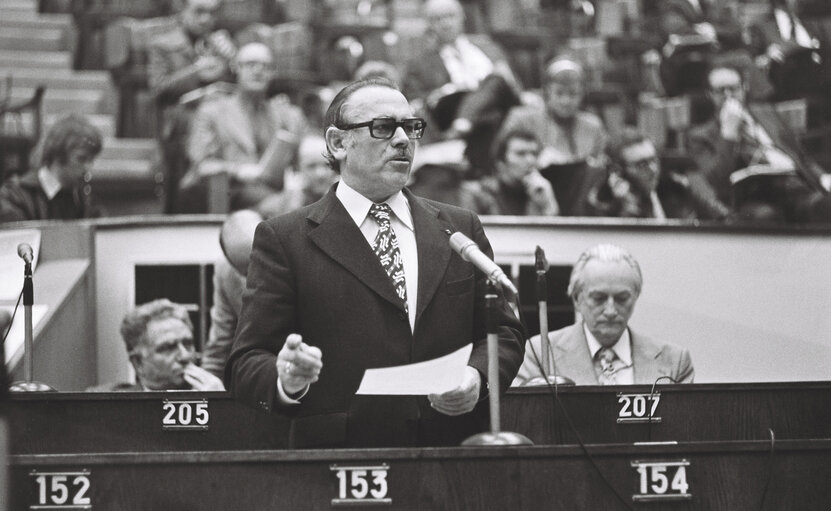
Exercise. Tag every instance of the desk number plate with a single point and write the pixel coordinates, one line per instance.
(638, 408)
(61, 490)
(361, 485)
(186, 414)
(662, 480)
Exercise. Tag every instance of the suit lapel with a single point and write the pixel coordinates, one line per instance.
(573, 357)
(337, 235)
(645, 366)
(433, 249)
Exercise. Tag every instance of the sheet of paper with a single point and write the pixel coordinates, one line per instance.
(14, 342)
(419, 379)
(11, 265)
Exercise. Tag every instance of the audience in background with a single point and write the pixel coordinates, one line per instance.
(600, 348)
(637, 186)
(753, 160)
(247, 136)
(190, 56)
(573, 141)
(517, 188)
(159, 340)
(57, 189)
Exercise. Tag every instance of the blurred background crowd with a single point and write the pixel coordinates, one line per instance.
(691, 109)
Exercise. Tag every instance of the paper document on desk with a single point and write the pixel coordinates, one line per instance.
(11, 265)
(430, 377)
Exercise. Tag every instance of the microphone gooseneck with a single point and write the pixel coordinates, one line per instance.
(470, 252)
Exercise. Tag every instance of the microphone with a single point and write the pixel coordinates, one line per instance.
(470, 252)
(24, 250)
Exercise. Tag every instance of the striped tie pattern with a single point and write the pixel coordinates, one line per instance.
(386, 248)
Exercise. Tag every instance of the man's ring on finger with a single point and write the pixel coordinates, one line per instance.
(289, 366)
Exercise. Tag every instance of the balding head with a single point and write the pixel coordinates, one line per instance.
(446, 19)
(236, 237)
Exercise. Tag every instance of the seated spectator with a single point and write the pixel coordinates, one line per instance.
(159, 340)
(58, 189)
(711, 19)
(754, 161)
(573, 141)
(790, 48)
(638, 187)
(245, 135)
(309, 182)
(377, 69)
(190, 56)
(462, 81)
(235, 237)
(600, 348)
(518, 188)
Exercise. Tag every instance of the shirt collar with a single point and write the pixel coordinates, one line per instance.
(622, 348)
(358, 206)
(49, 182)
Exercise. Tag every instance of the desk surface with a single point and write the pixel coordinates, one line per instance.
(54, 423)
(723, 475)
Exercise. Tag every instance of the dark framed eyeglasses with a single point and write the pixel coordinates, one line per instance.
(384, 127)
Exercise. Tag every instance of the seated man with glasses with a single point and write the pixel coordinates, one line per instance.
(637, 186)
(754, 160)
(159, 340)
(366, 278)
(246, 135)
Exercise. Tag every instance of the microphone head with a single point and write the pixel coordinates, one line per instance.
(540, 262)
(24, 250)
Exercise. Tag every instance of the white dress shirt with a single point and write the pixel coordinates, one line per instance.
(402, 224)
(623, 350)
(49, 182)
(466, 64)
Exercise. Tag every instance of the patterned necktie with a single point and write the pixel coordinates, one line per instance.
(605, 366)
(386, 248)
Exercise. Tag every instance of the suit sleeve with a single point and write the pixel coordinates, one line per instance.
(267, 317)
(686, 372)
(511, 332)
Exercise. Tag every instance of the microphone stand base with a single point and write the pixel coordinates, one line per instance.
(30, 386)
(501, 438)
(539, 381)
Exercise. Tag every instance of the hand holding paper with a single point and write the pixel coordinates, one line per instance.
(437, 376)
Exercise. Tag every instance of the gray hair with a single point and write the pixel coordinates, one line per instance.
(134, 324)
(606, 253)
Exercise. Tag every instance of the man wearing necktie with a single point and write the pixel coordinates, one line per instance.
(365, 278)
(600, 348)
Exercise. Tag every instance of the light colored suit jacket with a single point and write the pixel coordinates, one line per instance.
(571, 356)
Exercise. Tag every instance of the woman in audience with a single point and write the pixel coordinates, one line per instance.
(573, 140)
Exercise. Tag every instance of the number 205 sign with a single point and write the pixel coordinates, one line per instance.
(191, 414)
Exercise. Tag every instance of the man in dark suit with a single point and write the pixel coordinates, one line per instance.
(366, 277)
(601, 348)
(753, 160)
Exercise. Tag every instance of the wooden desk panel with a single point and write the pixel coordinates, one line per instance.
(725, 475)
(132, 422)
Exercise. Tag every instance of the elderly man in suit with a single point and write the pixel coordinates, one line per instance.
(233, 134)
(601, 349)
(365, 278)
